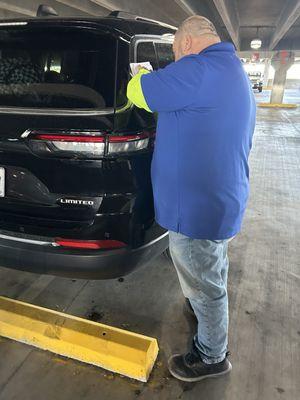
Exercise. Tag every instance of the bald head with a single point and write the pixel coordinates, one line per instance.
(193, 35)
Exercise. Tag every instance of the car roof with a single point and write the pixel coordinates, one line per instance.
(119, 26)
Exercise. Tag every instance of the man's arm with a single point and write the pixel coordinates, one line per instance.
(135, 92)
(172, 88)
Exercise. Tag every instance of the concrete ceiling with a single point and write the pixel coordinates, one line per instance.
(276, 22)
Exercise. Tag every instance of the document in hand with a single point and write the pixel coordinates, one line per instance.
(134, 67)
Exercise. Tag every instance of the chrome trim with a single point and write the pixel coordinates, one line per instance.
(124, 40)
(26, 133)
(13, 23)
(131, 16)
(53, 244)
(138, 18)
(125, 107)
(30, 241)
(56, 112)
(111, 214)
(153, 241)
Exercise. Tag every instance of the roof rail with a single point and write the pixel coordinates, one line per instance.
(128, 15)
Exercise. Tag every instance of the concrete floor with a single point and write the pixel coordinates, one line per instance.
(264, 283)
(290, 96)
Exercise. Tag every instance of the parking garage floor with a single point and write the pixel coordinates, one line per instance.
(290, 96)
(264, 284)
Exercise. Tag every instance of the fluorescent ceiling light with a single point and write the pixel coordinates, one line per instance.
(255, 44)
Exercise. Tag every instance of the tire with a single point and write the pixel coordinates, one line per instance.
(260, 89)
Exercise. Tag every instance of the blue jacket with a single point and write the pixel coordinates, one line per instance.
(206, 118)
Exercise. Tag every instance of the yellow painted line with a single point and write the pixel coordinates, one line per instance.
(114, 349)
(277, 105)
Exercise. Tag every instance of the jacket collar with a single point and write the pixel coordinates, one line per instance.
(221, 46)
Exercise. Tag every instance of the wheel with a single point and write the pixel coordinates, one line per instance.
(260, 89)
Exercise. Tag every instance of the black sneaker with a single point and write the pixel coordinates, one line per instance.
(190, 367)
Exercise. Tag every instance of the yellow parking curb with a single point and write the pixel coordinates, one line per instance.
(277, 105)
(114, 349)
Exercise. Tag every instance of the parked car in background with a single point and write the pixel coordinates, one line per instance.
(75, 190)
(256, 80)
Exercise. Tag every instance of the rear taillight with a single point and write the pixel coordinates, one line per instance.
(90, 244)
(92, 144)
(128, 143)
(71, 138)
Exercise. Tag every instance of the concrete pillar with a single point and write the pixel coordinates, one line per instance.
(266, 71)
(281, 62)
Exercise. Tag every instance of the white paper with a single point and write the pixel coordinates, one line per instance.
(134, 67)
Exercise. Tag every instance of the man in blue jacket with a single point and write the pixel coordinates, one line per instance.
(200, 176)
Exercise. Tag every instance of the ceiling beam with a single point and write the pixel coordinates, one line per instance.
(85, 6)
(186, 6)
(229, 14)
(289, 15)
(107, 4)
(146, 8)
(16, 9)
(64, 7)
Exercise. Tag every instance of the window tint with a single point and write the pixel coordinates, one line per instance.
(56, 68)
(164, 54)
(146, 52)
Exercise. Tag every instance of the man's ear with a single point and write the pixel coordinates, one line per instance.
(187, 43)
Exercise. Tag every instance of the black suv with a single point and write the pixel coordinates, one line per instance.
(75, 154)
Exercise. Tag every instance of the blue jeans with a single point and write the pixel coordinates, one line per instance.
(202, 267)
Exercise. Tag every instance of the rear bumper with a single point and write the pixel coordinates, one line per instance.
(87, 264)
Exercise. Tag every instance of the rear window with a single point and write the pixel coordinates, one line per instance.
(56, 68)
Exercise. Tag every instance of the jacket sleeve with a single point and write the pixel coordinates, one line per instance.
(134, 90)
(174, 87)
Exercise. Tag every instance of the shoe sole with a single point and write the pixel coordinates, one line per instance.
(200, 378)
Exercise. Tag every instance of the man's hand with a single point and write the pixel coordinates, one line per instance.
(141, 67)
(137, 67)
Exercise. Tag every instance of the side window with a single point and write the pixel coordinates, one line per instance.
(146, 52)
(164, 54)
